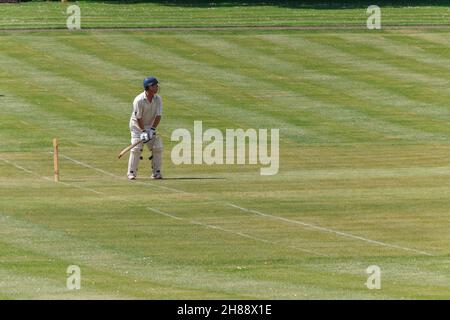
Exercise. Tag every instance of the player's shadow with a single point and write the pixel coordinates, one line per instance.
(193, 178)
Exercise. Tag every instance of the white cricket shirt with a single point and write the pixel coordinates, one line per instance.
(143, 109)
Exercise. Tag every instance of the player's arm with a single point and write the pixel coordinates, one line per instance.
(158, 113)
(156, 121)
(145, 135)
(152, 131)
(141, 124)
(138, 113)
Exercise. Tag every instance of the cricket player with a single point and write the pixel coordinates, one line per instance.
(147, 110)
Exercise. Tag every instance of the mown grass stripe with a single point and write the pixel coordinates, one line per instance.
(278, 68)
(219, 98)
(21, 279)
(438, 39)
(342, 53)
(269, 14)
(256, 85)
(377, 126)
(360, 71)
(119, 266)
(59, 245)
(366, 58)
(69, 89)
(410, 56)
(342, 98)
(17, 108)
(339, 233)
(360, 91)
(78, 66)
(319, 228)
(64, 91)
(278, 240)
(423, 42)
(241, 234)
(107, 173)
(71, 185)
(56, 55)
(329, 75)
(394, 191)
(96, 99)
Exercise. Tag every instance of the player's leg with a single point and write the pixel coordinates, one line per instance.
(133, 161)
(156, 147)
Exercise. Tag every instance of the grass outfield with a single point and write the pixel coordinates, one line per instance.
(101, 14)
(364, 175)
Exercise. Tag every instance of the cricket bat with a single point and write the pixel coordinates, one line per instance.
(131, 146)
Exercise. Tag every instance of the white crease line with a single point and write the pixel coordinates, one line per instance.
(47, 178)
(86, 165)
(210, 226)
(323, 229)
(19, 167)
(163, 213)
(344, 234)
(118, 177)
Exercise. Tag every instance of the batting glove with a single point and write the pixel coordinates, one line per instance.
(145, 137)
(151, 133)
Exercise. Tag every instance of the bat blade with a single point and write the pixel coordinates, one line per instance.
(131, 146)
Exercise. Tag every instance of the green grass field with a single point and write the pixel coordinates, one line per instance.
(223, 13)
(364, 119)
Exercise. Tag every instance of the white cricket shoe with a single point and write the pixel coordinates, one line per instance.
(131, 177)
(156, 175)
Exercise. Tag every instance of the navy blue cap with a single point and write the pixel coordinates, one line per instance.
(150, 81)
